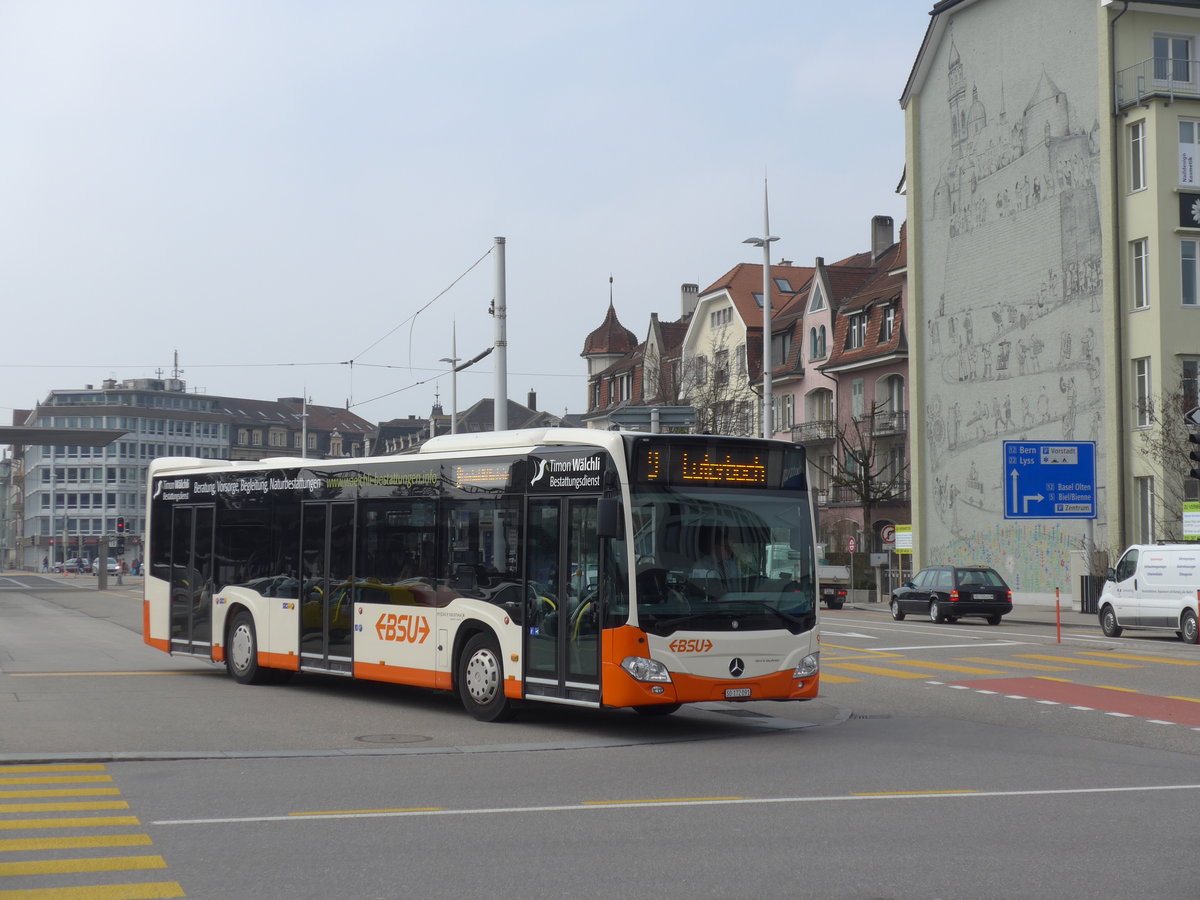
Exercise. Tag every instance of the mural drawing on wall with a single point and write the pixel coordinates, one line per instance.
(1012, 319)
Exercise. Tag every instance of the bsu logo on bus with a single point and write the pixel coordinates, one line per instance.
(413, 629)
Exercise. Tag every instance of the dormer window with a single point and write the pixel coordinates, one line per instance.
(888, 328)
(857, 335)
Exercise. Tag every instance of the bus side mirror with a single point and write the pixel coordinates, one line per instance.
(608, 518)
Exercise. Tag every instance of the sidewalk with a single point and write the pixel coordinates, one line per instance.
(1023, 613)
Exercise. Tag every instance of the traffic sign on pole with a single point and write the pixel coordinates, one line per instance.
(1049, 480)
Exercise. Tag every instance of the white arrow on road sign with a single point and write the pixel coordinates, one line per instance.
(1038, 497)
(1192, 416)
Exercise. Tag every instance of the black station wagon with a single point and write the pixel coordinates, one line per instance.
(950, 593)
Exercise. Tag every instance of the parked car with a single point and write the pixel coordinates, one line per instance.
(113, 567)
(1153, 586)
(950, 593)
(75, 565)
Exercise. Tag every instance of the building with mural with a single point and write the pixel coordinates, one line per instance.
(1025, 324)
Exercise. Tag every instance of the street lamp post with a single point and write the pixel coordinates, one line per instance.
(765, 243)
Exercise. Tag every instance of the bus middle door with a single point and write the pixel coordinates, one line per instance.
(562, 633)
(327, 587)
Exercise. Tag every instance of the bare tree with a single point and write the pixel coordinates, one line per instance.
(717, 385)
(1165, 444)
(862, 467)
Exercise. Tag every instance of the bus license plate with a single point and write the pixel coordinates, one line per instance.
(735, 693)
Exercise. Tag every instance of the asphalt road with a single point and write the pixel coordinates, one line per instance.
(909, 777)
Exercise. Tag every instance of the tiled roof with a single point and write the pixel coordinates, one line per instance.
(610, 337)
(745, 280)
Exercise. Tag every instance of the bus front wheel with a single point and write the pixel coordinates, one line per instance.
(241, 652)
(481, 680)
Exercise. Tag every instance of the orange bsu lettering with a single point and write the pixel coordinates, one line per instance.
(691, 645)
(391, 627)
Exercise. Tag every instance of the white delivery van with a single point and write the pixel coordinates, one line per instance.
(1153, 586)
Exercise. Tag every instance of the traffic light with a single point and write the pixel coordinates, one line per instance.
(120, 524)
(1194, 456)
(120, 543)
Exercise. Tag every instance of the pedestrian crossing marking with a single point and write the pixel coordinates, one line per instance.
(81, 864)
(58, 779)
(63, 767)
(1079, 662)
(1037, 667)
(947, 667)
(72, 806)
(69, 798)
(1157, 659)
(93, 822)
(10, 845)
(60, 792)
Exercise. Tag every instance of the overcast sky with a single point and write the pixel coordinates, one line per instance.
(275, 189)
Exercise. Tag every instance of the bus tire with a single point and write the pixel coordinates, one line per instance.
(241, 652)
(480, 680)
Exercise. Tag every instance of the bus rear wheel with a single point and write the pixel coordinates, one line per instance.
(480, 680)
(241, 652)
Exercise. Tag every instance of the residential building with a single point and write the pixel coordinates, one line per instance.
(722, 348)
(72, 495)
(1052, 273)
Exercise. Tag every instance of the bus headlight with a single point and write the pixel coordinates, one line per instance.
(644, 669)
(808, 666)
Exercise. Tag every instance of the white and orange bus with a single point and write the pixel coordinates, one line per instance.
(556, 565)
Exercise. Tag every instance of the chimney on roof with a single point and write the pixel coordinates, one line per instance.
(689, 294)
(784, 262)
(531, 402)
(883, 235)
(820, 262)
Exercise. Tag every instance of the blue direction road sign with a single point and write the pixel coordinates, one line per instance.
(1049, 479)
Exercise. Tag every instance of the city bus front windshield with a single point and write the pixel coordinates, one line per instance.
(717, 560)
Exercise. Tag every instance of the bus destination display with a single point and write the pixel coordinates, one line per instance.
(676, 465)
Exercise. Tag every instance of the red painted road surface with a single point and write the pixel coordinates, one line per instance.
(1144, 706)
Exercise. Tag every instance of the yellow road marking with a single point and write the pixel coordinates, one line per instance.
(72, 806)
(151, 890)
(9, 845)
(1188, 699)
(876, 670)
(1037, 667)
(85, 822)
(61, 792)
(946, 667)
(98, 675)
(82, 864)
(76, 767)
(362, 812)
(655, 800)
(1157, 659)
(59, 779)
(1109, 687)
(830, 678)
(1078, 662)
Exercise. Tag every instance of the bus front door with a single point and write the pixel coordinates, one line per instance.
(562, 634)
(327, 587)
(191, 579)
